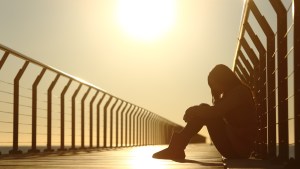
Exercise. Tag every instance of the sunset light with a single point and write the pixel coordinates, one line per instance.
(149, 84)
(146, 19)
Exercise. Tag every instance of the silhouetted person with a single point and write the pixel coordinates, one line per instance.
(231, 120)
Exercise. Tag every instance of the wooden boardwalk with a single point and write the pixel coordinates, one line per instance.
(198, 156)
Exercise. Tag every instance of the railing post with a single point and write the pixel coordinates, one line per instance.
(297, 77)
(151, 130)
(247, 63)
(34, 111)
(282, 79)
(49, 115)
(138, 127)
(16, 110)
(154, 129)
(126, 125)
(261, 84)
(83, 118)
(133, 126)
(130, 124)
(244, 72)
(147, 123)
(3, 59)
(262, 99)
(73, 146)
(111, 122)
(62, 116)
(98, 119)
(240, 75)
(128, 129)
(105, 121)
(271, 83)
(158, 130)
(163, 132)
(117, 122)
(122, 123)
(168, 131)
(142, 127)
(91, 118)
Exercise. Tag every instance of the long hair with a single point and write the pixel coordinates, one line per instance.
(225, 77)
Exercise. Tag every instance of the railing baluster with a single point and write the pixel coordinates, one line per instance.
(117, 122)
(62, 116)
(271, 125)
(105, 122)
(3, 59)
(98, 120)
(282, 80)
(142, 127)
(122, 121)
(83, 118)
(138, 127)
(149, 127)
(73, 146)
(15, 149)
(133, 127)
(34, 111)
(125, 126)
(128, 129)
(111, 122)
(146, 133)
(91, 118)
(49, 115)
(297, 77)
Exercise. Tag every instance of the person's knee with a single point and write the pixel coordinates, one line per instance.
(196, 122)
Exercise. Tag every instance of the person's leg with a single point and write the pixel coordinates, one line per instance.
(179, 141)
(191, 129)
(218, 132)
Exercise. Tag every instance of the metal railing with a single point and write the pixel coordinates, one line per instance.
(268, 60)
(44, 108)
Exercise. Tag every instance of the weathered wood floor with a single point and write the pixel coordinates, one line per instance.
(198, 156)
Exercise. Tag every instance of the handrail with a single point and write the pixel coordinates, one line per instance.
(266, 72)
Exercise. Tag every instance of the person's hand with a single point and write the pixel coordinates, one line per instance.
(193, 112)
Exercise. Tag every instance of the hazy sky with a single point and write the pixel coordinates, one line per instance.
(86, 38)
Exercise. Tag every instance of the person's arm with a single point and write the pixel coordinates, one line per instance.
(232, 100)
(215, 96)
(192, 111)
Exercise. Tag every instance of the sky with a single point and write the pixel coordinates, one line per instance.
(165, 73)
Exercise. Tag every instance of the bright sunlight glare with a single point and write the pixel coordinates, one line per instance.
(146, 19)
(142, 158)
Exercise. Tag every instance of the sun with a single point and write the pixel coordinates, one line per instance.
(146, 19)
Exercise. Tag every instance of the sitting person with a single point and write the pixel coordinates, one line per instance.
(231, 120)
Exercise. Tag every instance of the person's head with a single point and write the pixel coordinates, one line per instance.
(221, 79)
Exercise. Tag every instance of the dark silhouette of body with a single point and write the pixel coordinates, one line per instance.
(231, 120)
